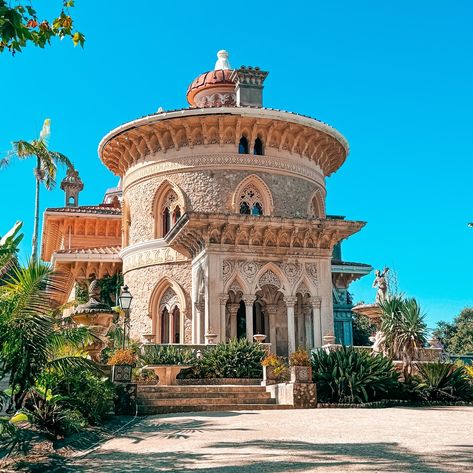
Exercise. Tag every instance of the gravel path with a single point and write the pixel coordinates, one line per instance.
(430, 440)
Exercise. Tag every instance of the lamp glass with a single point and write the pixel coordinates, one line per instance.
(125, 298)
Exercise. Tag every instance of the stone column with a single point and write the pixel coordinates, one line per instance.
(249, 301)
(307, 311)
(271, 310)
(317, 323)
(232, 312)
(291, 336)
(223, 298)
(171, 327)
(199, 314)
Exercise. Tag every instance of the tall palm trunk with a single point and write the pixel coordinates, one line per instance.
(34, 243)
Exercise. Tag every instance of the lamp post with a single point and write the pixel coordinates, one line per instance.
(125, 304)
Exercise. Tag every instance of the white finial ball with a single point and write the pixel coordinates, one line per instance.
(222, 60)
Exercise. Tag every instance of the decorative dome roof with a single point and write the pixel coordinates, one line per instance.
(213, 88)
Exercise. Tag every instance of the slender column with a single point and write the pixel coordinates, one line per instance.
(317, 323)
(291, 336)
(199, 312)
(271, 310)
(171, 327)
(223, 298)
(307, 311)
(232, 312)
(249, 301)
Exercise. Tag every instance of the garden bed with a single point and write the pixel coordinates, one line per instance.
(220, 381)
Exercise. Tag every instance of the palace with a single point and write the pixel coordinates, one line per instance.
(219, 223)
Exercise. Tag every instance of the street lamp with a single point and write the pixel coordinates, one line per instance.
(124, 300)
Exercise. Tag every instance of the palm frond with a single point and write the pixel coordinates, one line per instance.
(66, 363)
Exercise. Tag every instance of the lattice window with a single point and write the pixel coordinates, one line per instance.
(251, 201)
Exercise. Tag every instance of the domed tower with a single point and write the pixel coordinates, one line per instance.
(225, 231)
(72, 185)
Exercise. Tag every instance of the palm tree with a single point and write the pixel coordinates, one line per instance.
(404, 329)
(32, 338)
(44, 171)
(9, 247)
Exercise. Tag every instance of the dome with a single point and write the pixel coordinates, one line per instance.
(213, 88)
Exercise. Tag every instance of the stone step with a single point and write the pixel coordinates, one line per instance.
(200, 389)
(152, 410)
(208, 401)
(178, 395)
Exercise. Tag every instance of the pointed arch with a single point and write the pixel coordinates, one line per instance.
(253, 197)
(304, 286)
(273, 275)
(167, 308)
(317, 205)
(234, 282)
(168, 206)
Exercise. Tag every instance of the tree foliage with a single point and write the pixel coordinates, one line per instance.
(363, 329)
(404, 330)
(457, 336)
(20, 26)
(46, 162)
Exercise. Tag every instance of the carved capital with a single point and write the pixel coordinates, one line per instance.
(316, 302)
(233, 309)
(290, 301)
(271, 309)
(223, 298)
(248, 299)
(200, 306)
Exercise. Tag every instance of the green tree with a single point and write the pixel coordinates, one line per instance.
(45, 169)
(404, 329)
(363, 329)
(457, 336)
(20, 25)
(9, 248)
(32, 339)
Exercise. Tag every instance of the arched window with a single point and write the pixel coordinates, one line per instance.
(243, 147)
(316, 207)
(252, 197)
(251, 201)
(168, 208)
(258, 149)
(169, 322)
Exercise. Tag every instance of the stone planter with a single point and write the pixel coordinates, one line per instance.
(149, 338)
(122, 373)
(259, 337)
(301, 374)
(268, 376)
(167, 374)
(210, 338)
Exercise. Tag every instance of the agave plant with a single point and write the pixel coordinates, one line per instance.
(440, 381)
(167, 355)
(31, 335)
(404, 329)
(348, 375)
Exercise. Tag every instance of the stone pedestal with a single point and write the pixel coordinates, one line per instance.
(125, 401)
(167, 374)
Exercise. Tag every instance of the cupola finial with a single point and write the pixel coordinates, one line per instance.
(222, 61)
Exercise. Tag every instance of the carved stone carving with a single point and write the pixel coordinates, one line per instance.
(311, 271)
(268, 277)
(248, 269)
(227, 269)
(169, 300)
(292, 271)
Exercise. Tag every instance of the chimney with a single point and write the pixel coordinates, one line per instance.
(249, 86)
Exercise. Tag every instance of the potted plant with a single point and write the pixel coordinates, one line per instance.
(122, 362)
(274, 370)
(301, 367)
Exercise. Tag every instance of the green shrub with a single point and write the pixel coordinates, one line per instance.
(299, 358)
(352, 376)
(91, 395)
(235, 359)
(166, 355)
(439, 381)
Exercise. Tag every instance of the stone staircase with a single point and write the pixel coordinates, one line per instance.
(157, 399)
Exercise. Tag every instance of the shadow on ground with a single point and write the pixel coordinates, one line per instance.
(258, 456)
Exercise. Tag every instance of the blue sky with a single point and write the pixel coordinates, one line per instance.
(394, 77)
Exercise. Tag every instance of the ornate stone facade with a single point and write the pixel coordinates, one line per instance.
(225, 222)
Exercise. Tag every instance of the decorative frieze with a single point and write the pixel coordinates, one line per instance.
(151, 257)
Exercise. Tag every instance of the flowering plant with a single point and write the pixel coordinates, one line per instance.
(122, 357)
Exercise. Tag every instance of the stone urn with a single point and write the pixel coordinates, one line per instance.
(149, 338)
(96, 315)
(301, 374)
(259, 337)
